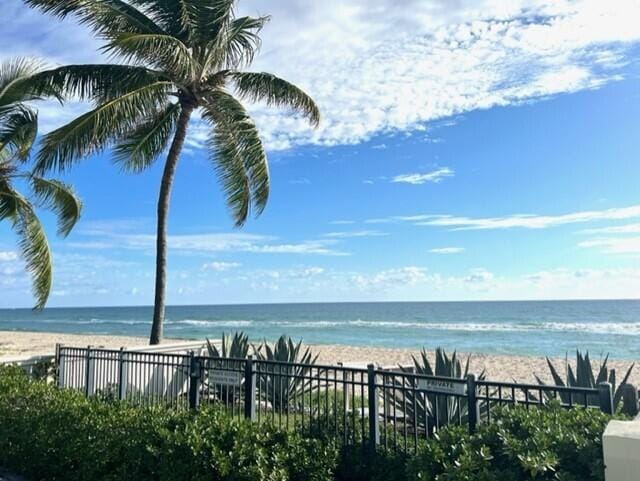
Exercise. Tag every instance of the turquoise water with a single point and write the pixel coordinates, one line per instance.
(537, 328)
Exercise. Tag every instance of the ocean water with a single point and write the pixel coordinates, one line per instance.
(536, 327)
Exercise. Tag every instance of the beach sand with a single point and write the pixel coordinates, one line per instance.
(497, 367)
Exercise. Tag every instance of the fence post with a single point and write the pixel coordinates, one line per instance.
(249, 390)
(88, 375)
(195, 375)
(629, 400)
(606, 398)
(56, 366)
(122, 387)
(374, 415)
(472, 403)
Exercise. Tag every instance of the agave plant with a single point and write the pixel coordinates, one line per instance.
(236, 347)
(430, 410)
(228, 358)
(284, 378)
(584, 376)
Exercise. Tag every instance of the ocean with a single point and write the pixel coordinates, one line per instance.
(550, 328)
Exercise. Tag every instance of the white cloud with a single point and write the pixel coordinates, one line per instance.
(342, 222)
(447, 250)
(220, 266)
(374, 67)
(300, 181)
(392, 278)
(616, 229)
(523, 221)
(352, 234)
(8, 256)
(418, 179)
(116, 235)
(614, 245)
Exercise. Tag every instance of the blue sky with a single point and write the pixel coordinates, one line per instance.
(475, 153)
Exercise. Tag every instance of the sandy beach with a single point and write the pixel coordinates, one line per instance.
(497, 367)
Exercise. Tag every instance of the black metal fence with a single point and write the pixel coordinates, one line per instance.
(391, 408)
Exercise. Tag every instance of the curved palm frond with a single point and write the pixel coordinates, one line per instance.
(103, 16)
(237, 146)
(60, 199)
(237, 45)
(34, 249)
(94, 130)
(206, 19)
(140, 148)
(18, 131)
(275, 91)
(93, 81)
(162, 51)
(15, 81)
(169, 14)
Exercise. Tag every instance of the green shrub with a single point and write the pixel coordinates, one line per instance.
(48, 434)
(536, 444)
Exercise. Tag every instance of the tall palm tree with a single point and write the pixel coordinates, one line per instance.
(18, 131)
(178, 56)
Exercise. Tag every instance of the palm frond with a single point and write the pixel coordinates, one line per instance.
(60, 199)
(15, 80)
(103, 16)
(93, 81)
(169, 14)
(237, 45)
(141, 147)
(8, 196)
(162, 51)
(94, 130)
(260, 86)
(18, 131)
(239, 155)
(34, 249)
(206, 19)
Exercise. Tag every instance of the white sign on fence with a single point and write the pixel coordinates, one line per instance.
(442, 386)
(226, 378)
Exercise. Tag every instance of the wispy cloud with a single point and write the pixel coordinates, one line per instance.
(300, 181)
(122, 234)
(447, 250)
(434, 177)
(436, 59)
(616, 229)
(614, 245)
(8, 256)
(220, 266)
(352, 234)
(522, 221)
(342, 222)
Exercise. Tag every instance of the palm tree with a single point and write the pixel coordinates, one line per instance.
(18, 131)
(178, 56)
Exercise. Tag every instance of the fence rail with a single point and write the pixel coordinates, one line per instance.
(372, 406)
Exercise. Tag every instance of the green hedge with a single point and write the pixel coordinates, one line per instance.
(48, 434)
(551, 444)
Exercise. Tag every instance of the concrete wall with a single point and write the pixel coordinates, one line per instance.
(621, 444)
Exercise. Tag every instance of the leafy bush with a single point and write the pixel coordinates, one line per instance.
(48, 434)
(536, 444)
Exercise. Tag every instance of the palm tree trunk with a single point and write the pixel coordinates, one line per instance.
(163, 212)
